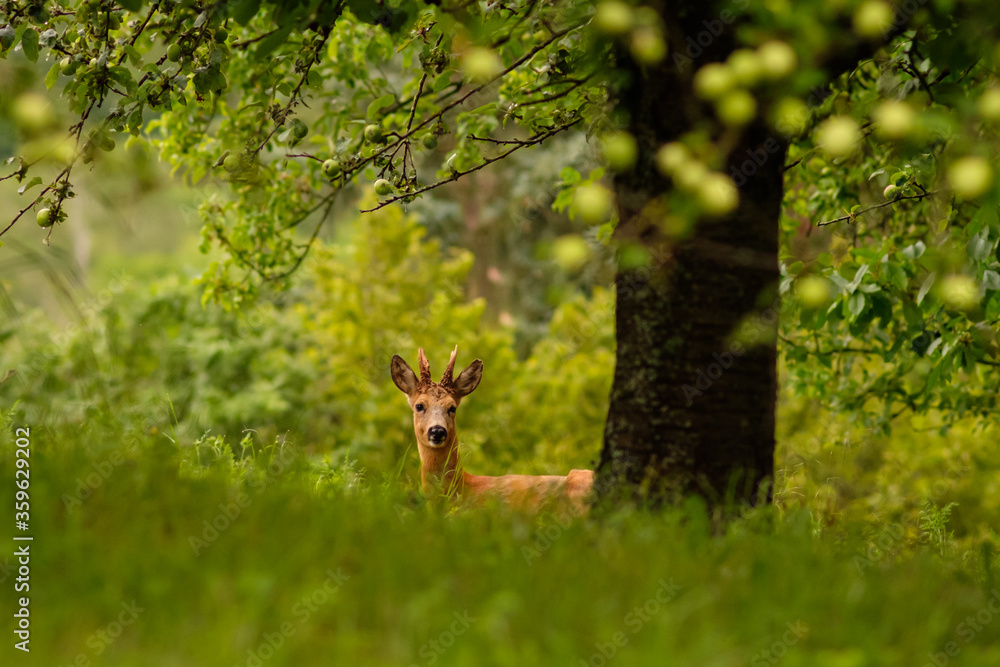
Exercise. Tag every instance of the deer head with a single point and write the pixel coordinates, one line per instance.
(435, 404)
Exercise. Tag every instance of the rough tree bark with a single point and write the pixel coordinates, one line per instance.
(691, 410)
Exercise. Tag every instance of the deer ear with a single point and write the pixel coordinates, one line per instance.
(403, 375)
(468, 380)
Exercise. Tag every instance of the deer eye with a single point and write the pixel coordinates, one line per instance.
(420, 407)
(452, 410)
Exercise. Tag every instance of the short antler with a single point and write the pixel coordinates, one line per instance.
(425, 368)
(447, 379)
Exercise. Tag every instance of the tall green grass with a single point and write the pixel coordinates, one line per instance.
(190, 555)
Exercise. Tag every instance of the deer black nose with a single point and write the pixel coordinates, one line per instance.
(437, 434)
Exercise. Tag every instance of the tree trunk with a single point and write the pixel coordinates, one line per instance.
(692, 407)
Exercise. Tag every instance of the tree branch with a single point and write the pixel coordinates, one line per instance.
(852, 216)
(458, 174)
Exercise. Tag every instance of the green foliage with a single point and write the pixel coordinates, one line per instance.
(904, 228)
(315, 361)
(226, 91)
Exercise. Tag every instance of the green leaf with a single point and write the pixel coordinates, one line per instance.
(914, 251)
(853, 285)
(244, 10)
(267, 45)
(926, 287)
(856, 304)
(895, 275)
(29, 42)
(442, 81)
(934, 345)
(7, 37)
(37, 180)
(979, 247)
(52, 76)
(131, 5)
(569, 175)
(992, 311)
(914, 317)
(133, 55)
(377, 104)
(991, 279)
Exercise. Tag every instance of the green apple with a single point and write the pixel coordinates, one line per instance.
(174, 52)
(777, 59)
(383, 187)
(989, 105)
(613, 17)
(717, 194)
(691, 177)
(813, 291)
(713, 81)
(838, 136)
(232, 163)
(873, 19)
(481, 64)
(373, 134)
(745, 66)
(221, 35)
(647, 46)
(619, 150)
(890, 192)
(970, 177)
(570, 251)
(43, 217)
(593, 203)
(737, 108)
(959, 292)
(429, 141)
(672, 158)
(331, 168)
(895, 119)
(790, 116)
(33, 113)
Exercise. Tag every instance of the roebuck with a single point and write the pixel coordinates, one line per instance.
(434, 405)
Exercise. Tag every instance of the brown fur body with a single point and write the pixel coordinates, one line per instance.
(434, 406)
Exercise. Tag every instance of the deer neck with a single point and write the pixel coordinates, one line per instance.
(440, 466)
